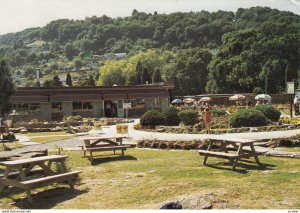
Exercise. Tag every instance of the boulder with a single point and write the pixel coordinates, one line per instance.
(171, 205)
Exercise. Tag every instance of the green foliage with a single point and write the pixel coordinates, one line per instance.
(248, 118)
(6, 87)
(218, 112)
(152, 118)
(56, 82)
(188, 116)
(171, 116)
(269, 111)
(69, 80)
(254, 49)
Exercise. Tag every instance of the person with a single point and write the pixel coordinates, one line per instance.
(208, 119)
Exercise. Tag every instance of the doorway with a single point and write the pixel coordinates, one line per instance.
(110, 109)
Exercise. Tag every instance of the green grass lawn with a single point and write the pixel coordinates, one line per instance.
(145, 178)
(39, 137)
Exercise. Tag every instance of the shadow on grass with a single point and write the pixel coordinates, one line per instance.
(109, 158)
(241, 166)
(48, 199)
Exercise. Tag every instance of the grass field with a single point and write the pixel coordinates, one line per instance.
(145, 178)
(39, 137)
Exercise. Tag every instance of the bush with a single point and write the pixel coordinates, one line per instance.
(171, 117)
(188, 116)
(248, 118)
(269, 111)
(218, 112)
(152, 118)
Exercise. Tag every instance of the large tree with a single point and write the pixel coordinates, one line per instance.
(256, 59)
(7, 88)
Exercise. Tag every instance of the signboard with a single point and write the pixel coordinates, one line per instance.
(126, 105)
(290, 87)
(122, 129)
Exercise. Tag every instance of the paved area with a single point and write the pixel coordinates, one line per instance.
(135, 135)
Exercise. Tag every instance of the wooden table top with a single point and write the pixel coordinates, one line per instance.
(33, 160)
(104, 137)
(230, 139)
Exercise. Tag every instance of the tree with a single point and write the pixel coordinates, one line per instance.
(69, 80)
(47, 83)
(70, 51)
(56, 82)
(156, 76)
(145, 77)
(6, 87)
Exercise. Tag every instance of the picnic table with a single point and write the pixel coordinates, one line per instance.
(23, 173)
(104, 143)
(236, 143)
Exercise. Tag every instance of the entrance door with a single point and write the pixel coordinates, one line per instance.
(110, 109)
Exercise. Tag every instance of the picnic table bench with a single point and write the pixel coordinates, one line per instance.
(22, 173)
(101, 144)
(223, 152)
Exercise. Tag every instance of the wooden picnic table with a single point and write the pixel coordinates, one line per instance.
(236, 143)
(103, 143)
(22, 173)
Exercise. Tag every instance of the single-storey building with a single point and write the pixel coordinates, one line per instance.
(55, 103)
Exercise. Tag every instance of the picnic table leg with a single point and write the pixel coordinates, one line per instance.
(205, 157)
(255, 155)
(2, 187)
(91, 155)
(23, 178)
(64, 168)
(236, 160)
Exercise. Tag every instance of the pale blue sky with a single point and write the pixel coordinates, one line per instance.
(16, 15)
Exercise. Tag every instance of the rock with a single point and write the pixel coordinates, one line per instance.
(171, 205)
(196, 202)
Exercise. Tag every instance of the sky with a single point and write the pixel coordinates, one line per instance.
(17, 15)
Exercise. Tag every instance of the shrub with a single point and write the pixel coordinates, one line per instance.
(152, 118)
(188, 116)
(218, 112)
(171, 117)
(248, 118)
(269, 111)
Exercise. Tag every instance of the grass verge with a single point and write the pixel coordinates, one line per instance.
(144, 178)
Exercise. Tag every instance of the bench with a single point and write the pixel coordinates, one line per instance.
(105, 148)
(22, 178)
(34, 171)
(69, 176)
(240, 145)
(218, 154)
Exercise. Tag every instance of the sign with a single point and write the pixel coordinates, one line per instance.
(290, 87)
(126, 105)
(122, 129)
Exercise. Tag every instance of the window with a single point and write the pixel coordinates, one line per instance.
(77, 105)
(34, 106)
(82, 105)
(156, 102)
(56, 106)
(20, 107)
(87, 105)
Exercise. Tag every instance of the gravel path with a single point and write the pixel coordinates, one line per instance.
(134, 135)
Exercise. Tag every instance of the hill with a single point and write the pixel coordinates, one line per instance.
(246, 48)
